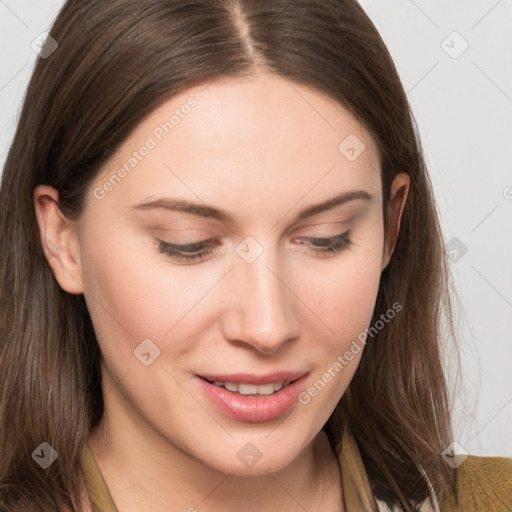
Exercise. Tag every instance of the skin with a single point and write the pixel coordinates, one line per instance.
(262, 150)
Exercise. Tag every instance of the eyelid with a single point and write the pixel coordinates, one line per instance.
(326, 241)
(192, 231)
(329, 246)
(327, 238)
(192, 246)
(180, 255)
(335, 224)
(196, 246)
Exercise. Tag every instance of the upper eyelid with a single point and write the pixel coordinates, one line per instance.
(202, 243)
(334, 237)
(301, 226)
(205, 243)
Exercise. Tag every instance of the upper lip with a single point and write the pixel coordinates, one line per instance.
(251, 378)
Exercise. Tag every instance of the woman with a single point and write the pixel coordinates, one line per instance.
(225, 270)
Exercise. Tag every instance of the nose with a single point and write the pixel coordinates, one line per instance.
(261, 311)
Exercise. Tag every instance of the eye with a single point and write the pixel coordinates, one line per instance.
(327, 246)
(187, 252)
(198, 251)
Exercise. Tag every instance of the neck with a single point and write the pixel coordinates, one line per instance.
(158, 476)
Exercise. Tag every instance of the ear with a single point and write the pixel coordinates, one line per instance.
(59, 239)
(397, 199)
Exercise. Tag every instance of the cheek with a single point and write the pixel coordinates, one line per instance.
(345, 305)
(344, 300)
(347, 293)
(134, 293)
(123, 295)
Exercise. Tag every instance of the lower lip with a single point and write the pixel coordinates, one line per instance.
(253, 408)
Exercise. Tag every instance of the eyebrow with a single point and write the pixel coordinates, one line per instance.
(203, 210)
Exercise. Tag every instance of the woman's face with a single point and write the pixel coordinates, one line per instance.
(274, 193)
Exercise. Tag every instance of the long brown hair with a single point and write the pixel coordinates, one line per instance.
(115, 62)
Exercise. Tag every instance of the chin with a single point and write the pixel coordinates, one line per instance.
(254, 455)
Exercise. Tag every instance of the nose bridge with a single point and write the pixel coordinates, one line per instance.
(264, 316)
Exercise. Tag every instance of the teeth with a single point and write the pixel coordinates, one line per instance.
(281, 384)
(252, 389)
(266, 389)
(247, 389)
(231, 386)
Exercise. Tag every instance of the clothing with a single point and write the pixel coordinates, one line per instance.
(485, 483)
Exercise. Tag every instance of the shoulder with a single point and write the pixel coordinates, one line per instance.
(483, 484)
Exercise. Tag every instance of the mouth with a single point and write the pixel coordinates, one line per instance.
(252, 389)
(253, 398)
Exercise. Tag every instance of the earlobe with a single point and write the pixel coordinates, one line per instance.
(398, 197)
(58, 239)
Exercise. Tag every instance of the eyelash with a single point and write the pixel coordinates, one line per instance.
(327, 246)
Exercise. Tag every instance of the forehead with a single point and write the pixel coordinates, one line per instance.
(257, 138)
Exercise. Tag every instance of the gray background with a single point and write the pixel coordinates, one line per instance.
(462, 101)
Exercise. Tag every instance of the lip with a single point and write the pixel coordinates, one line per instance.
(251, 378)
(251, 408)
